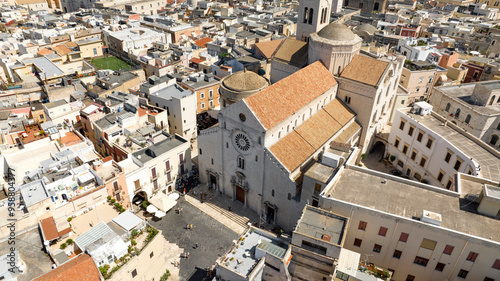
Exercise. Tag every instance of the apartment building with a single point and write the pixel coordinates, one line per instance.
(419, 78)
(474, 107)
(180, 105)
(430, 149)
(416, 231)
(206, 89)
(148, 7)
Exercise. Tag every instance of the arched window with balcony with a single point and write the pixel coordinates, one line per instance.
(447, 108)
(457, 113)
(492, 100)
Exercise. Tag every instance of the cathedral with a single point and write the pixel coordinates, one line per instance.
(270, 133)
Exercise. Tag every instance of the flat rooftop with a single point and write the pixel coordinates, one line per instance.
(463, 93)
(243, 259)
(159, 148)
(402, 198)
(322, 225)
(489, 162)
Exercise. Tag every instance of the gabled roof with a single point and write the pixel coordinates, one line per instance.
(81, 268)
(62, 49)
(293, 52)
(365, 70)
(268, 48)
(44, 51)
(293, 149)
(280, 100)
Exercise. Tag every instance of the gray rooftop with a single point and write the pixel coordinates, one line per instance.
(33, 192)
(320, 172)
(92, 235)
(173, 91)
(401, 197)
(46, 66)
(159, 148)
(322, 225)
(55, 103)
(489, 162)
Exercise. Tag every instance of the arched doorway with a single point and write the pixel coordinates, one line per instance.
(376, 6)
(494, 140)
(378, 149)
(138, 198)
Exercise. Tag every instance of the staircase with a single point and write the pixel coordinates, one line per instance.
(216, 205)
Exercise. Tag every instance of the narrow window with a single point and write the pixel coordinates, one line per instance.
(397, 254)
(362, 225)
(357, 242)
(448, 249)
(403, 237)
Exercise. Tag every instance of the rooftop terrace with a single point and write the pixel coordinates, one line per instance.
(407, 199)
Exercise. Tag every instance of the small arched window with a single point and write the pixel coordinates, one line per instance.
(447, 109)
(306, 13)
(457, 113)
(494, 140)
(311, 14)
(467, 119)
(289, 196)
(272, 193)
(492, 100)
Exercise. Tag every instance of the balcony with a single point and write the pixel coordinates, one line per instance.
(167, 170)
(152, 178)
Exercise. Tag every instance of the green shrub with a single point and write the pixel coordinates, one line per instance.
(104, 269)
(113, 201)
(132, 241)
(70, 219)
(134, 233)
(393, 158)
(69, 241)
(118, 206)
(363, 156)
(145, 204)
(63, 246)
(109, 198)
(165, 276)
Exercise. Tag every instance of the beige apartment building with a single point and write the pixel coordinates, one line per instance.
(419, 78)
(90, 48)
(146, 7)
(206, 89)
(417, 231)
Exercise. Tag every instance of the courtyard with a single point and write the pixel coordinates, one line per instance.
(110, 62)
(214, 239)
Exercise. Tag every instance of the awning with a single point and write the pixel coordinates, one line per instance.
(151, 209)
(163, 203)
(174, 196)
(160, 214)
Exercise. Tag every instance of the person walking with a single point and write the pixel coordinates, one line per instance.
(196, 246)
(191, 227)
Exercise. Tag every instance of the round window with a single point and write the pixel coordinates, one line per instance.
(243, 117)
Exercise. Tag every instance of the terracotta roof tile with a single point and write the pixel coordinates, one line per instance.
(280, 100)
(339, 111)
(44, 51)
(318, 129)
(292, 150)
(71, 44)
(293, 52)
(348, 132)
(62, 49)
(365, 70)
(196, 60)
(49, 228)
(81, 268)
(202, 43)
(268, 48)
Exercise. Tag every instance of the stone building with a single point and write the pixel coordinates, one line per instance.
(367, 6)
(314, 15)
(263, 143)
(240, 85)
(474, 107)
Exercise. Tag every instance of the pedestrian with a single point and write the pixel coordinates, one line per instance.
(191, 227)
(196, 246)
(187, 227)
(182, 209)
(184, 191)
(188, 255)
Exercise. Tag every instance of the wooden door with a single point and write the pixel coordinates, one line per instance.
(240, 194)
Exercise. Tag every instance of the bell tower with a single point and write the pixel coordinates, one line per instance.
(313, 16)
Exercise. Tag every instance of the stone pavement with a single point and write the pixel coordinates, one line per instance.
(214, 239)
(216, 205)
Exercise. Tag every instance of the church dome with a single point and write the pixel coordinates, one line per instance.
(367, 27)
(244, 81)
(240, 85)
(337, 32)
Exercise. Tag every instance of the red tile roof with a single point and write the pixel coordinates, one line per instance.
(296, 147)
(268, 48)
(81, 268)
(49, 229)
(280, 100)
(196, 60)
(44, 51)
(202, 43)
(365, 70)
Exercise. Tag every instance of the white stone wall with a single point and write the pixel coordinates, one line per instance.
(435, 155)
(280, 70)
(488, 250)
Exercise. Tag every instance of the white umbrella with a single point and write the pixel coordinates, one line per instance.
(160, 214)
(151, 209)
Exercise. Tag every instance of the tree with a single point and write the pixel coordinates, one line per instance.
(69, 241)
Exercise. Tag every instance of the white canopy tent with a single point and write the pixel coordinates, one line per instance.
(163, 203)
(151, 209)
